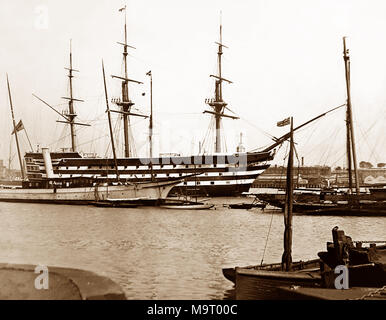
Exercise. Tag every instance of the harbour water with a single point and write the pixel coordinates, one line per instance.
(156, 253)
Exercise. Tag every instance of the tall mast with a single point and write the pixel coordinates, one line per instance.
(71, 115)
(125, 103)
(110, 126)
(287, 254)
(14, 128)
(351, 150)
(125, 95)
(151, 116)
(217, 104)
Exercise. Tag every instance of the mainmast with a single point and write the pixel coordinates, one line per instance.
(125, 103)
(70, 114)
(351, 152)
(15, 130)
(217, 104)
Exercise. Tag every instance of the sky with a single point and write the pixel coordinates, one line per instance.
(284, 58)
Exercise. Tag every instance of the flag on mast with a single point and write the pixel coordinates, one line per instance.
(18, 127)
(124, 8)
(284, 122)
(149, 73)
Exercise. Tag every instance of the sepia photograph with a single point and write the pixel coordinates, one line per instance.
(177, 151)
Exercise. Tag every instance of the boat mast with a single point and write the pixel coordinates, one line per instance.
(287, 254)
(110, 126)
(126, 103)
(351, 152)
(125, 96)
(71, 115)
(14, 128)
(217, 104)
(151, 116)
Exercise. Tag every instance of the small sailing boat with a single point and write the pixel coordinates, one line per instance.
(263, 280)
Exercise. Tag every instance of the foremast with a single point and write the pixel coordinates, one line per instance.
(217, 103)
(70, 114)
(124, 102)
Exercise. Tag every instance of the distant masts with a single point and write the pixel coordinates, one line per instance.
(217, 104)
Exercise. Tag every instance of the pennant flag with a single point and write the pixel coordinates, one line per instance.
(124, 8)
(284, 122)
(19, 127)
(149, 73)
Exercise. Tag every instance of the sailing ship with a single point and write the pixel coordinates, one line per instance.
(218, 174)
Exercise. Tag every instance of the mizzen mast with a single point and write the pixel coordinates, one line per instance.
(125, 103)
(217, 103)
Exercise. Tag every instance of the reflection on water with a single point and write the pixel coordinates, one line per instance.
(157, 253)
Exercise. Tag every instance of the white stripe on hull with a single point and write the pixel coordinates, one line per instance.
(170, 175)
(149, 192)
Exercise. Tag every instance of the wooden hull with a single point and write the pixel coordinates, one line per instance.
(151, 192)
(265, 282)
(205, 175)
(364, 208)
(230, 273)
(265, 285)
(374, 209)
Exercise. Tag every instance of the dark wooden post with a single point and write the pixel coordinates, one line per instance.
(287, 254)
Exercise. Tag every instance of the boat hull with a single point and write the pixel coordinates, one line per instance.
(266, 285)
(205, 175)
(148, 193)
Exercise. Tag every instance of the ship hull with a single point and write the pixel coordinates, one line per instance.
(147, 193)
(204, 175)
